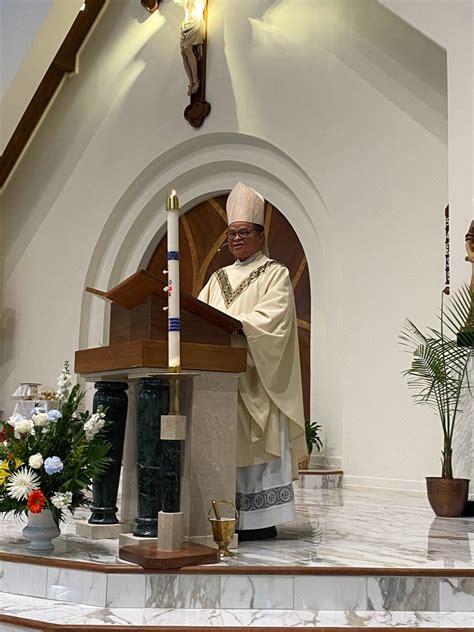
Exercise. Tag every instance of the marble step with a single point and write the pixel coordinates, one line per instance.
(349, 589)
(18, 614)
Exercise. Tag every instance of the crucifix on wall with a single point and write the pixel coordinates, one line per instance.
(193, 45)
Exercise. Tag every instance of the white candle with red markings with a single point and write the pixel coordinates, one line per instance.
(172, 208)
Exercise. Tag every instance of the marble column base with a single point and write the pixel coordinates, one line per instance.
(125, 539)
(102, 531)
(170, 531)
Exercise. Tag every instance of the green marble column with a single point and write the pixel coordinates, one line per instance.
(171, 476)
(114, 400)
(153, 401)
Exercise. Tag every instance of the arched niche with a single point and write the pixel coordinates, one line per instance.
(209, 166)
(202, 233)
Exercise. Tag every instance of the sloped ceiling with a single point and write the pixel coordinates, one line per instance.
(56, 40)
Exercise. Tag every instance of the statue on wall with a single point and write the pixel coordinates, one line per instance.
(193, 32)
(470, 250)
(466, 335)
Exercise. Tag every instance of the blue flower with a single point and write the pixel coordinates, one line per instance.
(53, 465)
(54, 415)
(38, 409)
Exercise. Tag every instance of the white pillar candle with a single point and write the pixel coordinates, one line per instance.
(172, 207)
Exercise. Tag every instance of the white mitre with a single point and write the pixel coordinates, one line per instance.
(244, 204)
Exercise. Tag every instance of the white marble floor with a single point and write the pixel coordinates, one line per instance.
(367, 531)
(348, 527)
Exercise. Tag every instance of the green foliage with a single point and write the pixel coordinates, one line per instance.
(312, 435)
(81, 449)
(438, 374)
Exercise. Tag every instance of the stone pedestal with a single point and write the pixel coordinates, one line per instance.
(208, 461)
(208, 465)
(128, 498)
(170, 531)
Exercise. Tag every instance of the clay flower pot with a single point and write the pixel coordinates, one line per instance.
(447, 496)
(303, 464)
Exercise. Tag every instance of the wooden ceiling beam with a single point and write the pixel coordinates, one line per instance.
(64, 62)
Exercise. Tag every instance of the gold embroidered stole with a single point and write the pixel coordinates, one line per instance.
(229, 295)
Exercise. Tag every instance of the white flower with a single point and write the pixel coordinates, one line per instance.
(62, 500)
(14, 419)
(35, 461)
(21, 483)
(93, 425)
(40, 419)
(64, 382)
(23, 426)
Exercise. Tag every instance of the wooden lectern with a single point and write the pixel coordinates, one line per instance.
(139, 331)
(138, 354)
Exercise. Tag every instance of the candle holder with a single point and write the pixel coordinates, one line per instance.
(172, 202)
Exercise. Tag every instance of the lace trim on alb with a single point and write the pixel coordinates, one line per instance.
(265, 499)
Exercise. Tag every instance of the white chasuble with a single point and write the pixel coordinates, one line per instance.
(258, 292)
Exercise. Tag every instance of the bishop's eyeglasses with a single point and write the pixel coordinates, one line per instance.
(243, 234)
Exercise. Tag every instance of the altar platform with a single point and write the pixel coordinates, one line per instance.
(354, 558)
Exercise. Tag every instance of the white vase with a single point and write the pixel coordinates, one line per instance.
(41, 530)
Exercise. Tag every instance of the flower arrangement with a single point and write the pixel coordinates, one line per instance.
(50, 460)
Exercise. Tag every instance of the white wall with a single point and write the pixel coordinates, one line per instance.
(450, 23)
(335, 110)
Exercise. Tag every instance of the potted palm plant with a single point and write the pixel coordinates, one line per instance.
(312, 439)
(439, 378)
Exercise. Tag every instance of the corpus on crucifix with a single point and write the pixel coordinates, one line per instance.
(193, 33)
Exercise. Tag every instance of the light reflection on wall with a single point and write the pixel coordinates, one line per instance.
(123, 65)
(281, 35)
(313, 38)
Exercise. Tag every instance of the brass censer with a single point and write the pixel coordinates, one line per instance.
(223, 529)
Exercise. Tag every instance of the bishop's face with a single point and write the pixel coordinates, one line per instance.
(244, 239)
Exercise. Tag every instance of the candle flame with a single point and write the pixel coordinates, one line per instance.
(173, 192)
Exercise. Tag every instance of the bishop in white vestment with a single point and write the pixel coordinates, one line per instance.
(270, 434)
